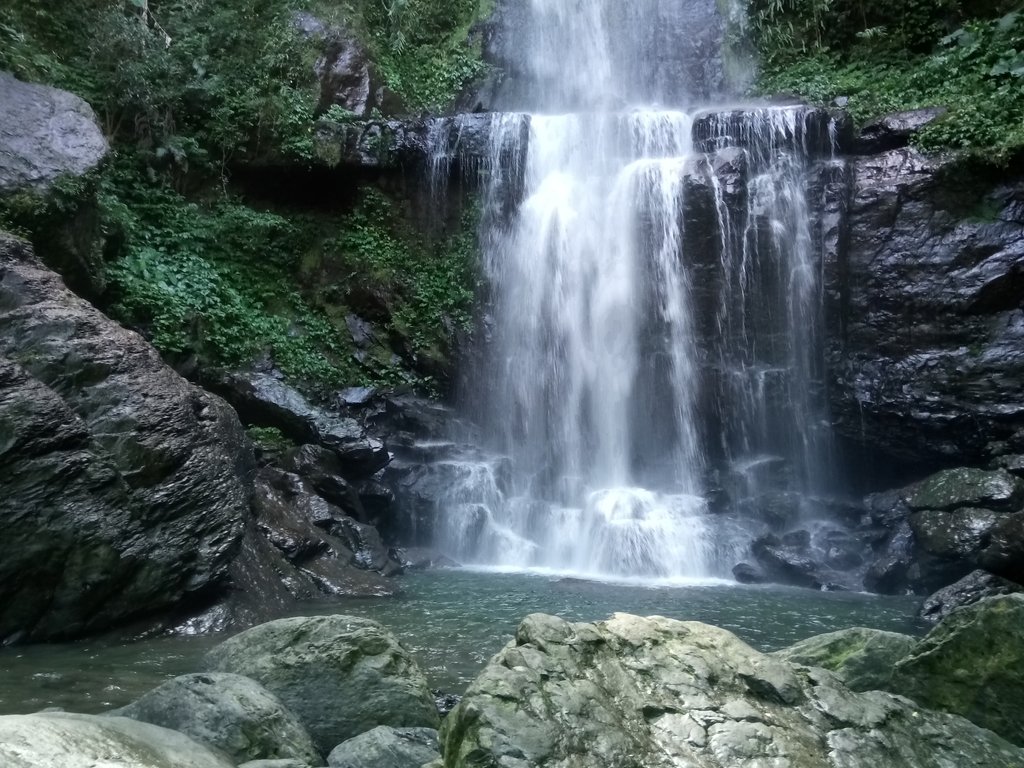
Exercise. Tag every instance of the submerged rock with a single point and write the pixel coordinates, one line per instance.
(862, 658)
(228, 712)
(632, 692)
(341, 675)
(972, 664)
(970, 589)
(385, 747)
(64, 740)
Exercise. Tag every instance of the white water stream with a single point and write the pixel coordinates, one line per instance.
(629, 354)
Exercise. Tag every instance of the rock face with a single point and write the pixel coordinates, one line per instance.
(384, 747)
(972, 664)
(227, 712)
(636, 693)
(63, 740)
(970, 589)
(341, 675)
(862, 658)
(945, 527)
(124, 487)
(926, 345)
(895, 131)
(45, 134)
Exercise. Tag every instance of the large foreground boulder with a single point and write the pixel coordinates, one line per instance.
(632, 692)
(228, 712)
(124, 486)
(972, 664)
(862, 658)
(63, 740)
(341, 675)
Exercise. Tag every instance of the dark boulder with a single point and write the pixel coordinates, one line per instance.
(894, 131)
(324, 470)
(265, 400)
(970, 589)
(745, 573)
(124, 485)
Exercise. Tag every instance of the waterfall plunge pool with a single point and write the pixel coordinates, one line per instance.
(453, 621)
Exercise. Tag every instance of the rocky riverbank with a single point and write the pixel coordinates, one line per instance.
(629, 691)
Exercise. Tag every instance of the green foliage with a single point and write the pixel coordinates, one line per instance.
(422, 47)
(429, 283)
(269, 438)
(889, 57)
(195, 82)
(215, 279)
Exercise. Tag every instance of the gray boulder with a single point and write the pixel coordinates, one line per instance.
(636, 692)
(228, 712)
(970, 589)
(125, 486)
(64, 740)
(341, 675)
(278, 763)
(45, 134)
(972, 664)
(384, 747)
(862, 658)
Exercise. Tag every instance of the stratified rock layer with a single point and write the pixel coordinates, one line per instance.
(124, 489)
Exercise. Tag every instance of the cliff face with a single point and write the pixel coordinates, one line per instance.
(925, 350)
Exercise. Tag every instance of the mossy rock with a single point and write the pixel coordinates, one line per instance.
(972, 664)
(862, 658)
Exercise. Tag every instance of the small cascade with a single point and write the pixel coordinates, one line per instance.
(654, 299)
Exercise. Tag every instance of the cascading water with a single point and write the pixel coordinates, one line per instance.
(654, 299)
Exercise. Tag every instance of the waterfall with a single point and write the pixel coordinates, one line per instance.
(654, 293)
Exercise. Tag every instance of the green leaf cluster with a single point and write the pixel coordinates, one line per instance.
(886, 57)
(214, 279)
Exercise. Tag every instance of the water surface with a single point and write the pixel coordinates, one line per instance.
(453, 621)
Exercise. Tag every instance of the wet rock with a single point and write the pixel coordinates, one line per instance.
(386, 747)
(965, 487)
(745, 573)
(807, 129)
(895, 131)
(421, 558)
(125, 488)
(324, 470)
(787, 564)
(45, 134)
(889, 573)
(340, 675)
(972, 664)
(319, 539)
(862, 658)
(926, 354)
(227, 712)
(656, 692)
(64, 740)
(262, 398)
(968, 539)
(279, 763)
(445, 702)
(973, 587)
